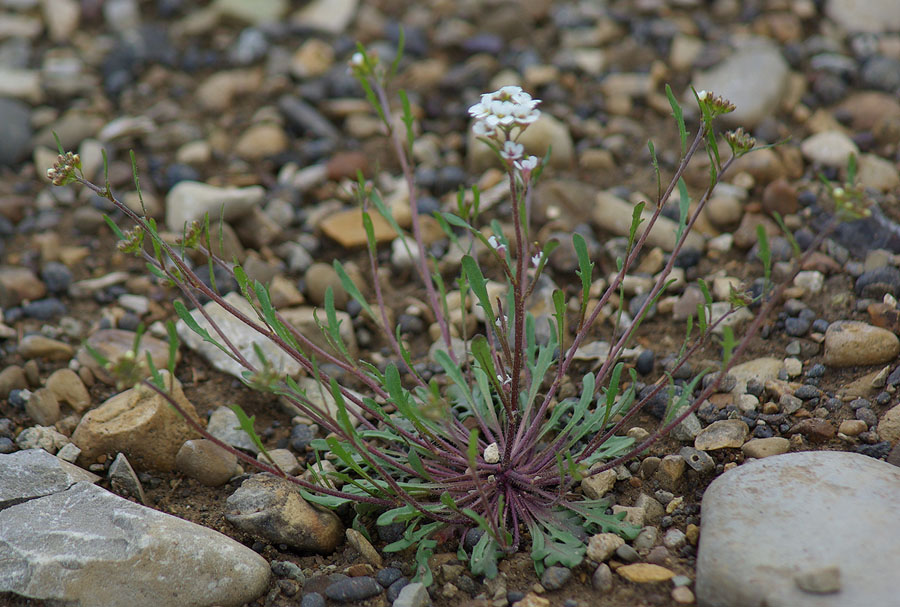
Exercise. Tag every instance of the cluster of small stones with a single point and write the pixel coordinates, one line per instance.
(253, 114)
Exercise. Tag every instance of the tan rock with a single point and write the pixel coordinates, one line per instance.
(43, 407)
(18, 284)
(346, 228)
(261, 141)
(533, 600)
(139, 423)
(206, 462)
(598, 485)
(364, 547)
(38, 346)
(643, 573)
(726, 433)
(889, 426)
(271, 508)
(765, 447)
(602, 546)
(68, 387)
(851, 343)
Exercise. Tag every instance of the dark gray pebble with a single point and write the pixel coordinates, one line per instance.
(817, 370)
(875, 283)
(15, 132)
(698, 460)
(797, 327)
(859, 403)
(301, 436)
(806, 392)
(514, 596)
(555, 578)
(353, 589)
(388, 576)
(18, 398)
(763, 432)
(7, 445)
(313, 599)
(391, 533)
(394, 589)
(881, 73)
(878, 450)
(882, 398)
(56, 276)
(44, 309)
(129, 322)
(645, 360)
(820, 325)
(867, 415)
(627, 554)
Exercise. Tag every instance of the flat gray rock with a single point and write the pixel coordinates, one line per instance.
(32, 473)
(88, 547)
(810, 529)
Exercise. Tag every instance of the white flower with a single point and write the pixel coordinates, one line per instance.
(536, 259)
(356, 60)
(512, 150)
(505, 108)
(504, 379)
(481, 129)
(492, 240)
(499, 322)
(492, 454)
(526, 165)
(702, 95)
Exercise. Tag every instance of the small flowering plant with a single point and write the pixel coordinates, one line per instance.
(488, 451)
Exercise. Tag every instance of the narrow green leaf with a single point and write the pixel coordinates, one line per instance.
(477, 283)
(679, 118)
(684, 203)
(112, 226)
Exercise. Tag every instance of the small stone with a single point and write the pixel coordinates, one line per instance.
(43, 407)
(814, 429)
(602, 578)
(261, 141)
(346, 228)
(627, 553)
(727, 433)
(363, 547)
(123, 480)
(206, 462)
(68, 387)
(602, 546)
(12, 378)
(671, 469)
(853, 427)
(674, 539)
(224, 425)
(285, 460)
(598, 485)
(330, 16)
(646, 539)
(412, 595)
(853, 343)
(191, 201)
(683, 595)
(532, 600)
(829, 148)
(643, 573)
(117, 345)
(889, 426)
(271, 508)
(353, 589)
(38, 346)
(698, 460)
(312, 599)
(766, 447)
(41, 437)
(555, 578)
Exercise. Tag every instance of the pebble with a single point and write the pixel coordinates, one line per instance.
(555, 578)
(602, 579)
(853, 343)
(698, 460)
(413, 595)
(15, 130)
(889, 426)
(139, 423)
(329, 16)
(68, 387)
(191, 200)
(256, 143)
(598, 485)
(850, 495)
(43, 407)
(33, 473)
(224, 425)
(123, 480)
(829, 148)
(353, 589)
(364, 547)
(873, 17)
(645, 573)
(270, 508)
(12, 378)
(683, 595)
(313, 599)
(41, 437)
(602, 546)
(755, 78)
(765, 447)
(206, 462)
(116, 344)
(19, 284)
(727, 433)
(346, 228)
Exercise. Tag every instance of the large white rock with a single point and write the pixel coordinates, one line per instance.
(873, 16)
(88, 547)
(809, 529)
(34, 473)
(754, 78)
(191, 201)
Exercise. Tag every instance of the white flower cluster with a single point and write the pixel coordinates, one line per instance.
(502, 110)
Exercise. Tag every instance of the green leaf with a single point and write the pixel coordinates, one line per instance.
(679, 118)
(112, 226)
(477, 283)
(245, 423)
(654, 162)
(636, 221)
(728, 344)
(484, 556)
(585, 269)
(559, 306)
(408, 119)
